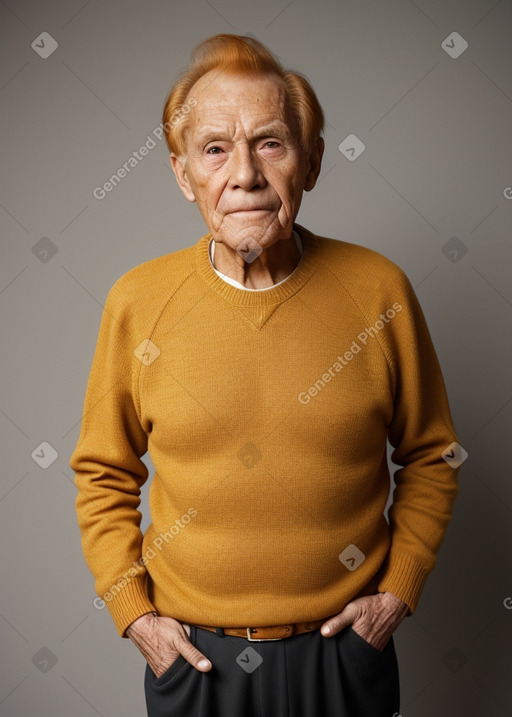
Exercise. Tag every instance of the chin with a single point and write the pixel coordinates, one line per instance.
(238, 238)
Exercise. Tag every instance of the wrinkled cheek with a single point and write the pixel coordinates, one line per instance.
(286, 215)
(215, 220)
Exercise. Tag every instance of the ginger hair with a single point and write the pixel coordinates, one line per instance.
(237, 54)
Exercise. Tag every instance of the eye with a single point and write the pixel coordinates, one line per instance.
(209, 151)
(271, 141)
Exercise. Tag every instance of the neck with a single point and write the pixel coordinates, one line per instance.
(274, 264)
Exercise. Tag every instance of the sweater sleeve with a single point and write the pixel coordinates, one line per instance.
(108, 469)
(420, 431)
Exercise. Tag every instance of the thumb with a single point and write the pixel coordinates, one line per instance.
(194, 656)
(343, 619)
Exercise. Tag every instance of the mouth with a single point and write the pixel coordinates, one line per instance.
(250, 211)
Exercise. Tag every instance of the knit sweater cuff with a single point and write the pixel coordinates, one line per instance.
(129, 603)
(404, 578)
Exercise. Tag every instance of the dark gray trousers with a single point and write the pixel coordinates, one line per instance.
(305, 675)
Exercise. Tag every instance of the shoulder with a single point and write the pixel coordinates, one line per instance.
(354, 261)
(360, 268)
(153, 281)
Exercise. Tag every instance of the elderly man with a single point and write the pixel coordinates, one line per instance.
(264, 369)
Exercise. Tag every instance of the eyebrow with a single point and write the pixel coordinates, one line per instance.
(273, 129)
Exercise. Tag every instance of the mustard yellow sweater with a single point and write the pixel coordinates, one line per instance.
(265, 414)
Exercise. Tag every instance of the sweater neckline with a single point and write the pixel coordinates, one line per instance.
(273, 295)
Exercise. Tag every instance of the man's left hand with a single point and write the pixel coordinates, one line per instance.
(374, 618)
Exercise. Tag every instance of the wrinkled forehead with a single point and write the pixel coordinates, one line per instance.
(231, 99)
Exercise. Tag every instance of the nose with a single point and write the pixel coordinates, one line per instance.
(245, 170)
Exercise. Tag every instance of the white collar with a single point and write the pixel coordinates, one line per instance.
(233, 282)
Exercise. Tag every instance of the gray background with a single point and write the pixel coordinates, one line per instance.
(436, 169)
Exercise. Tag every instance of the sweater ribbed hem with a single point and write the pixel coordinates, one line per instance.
(129, 603)
(404, 578)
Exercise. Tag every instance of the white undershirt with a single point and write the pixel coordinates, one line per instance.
(233, 282)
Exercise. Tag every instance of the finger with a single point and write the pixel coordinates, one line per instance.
(182, 644)
(194, 656)
(345, 618)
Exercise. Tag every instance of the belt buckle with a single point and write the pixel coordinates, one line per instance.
(260, 639)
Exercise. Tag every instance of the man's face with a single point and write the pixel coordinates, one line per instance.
(244, 165)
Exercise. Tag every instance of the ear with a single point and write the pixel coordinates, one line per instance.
(178, 167)
(315, 164)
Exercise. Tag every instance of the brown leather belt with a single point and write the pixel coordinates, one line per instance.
(273, 632)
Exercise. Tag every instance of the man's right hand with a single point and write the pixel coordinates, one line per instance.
(161, 639)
